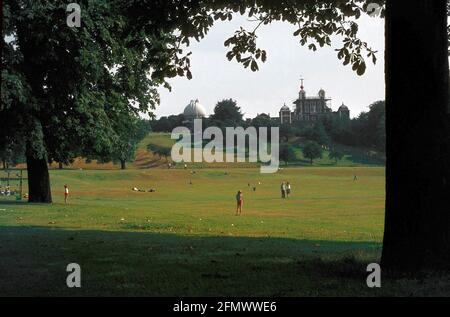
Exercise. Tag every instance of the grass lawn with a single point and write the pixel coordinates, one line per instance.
(184, 240)
(353, 157)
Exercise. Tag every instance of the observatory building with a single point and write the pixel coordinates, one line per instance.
(311, 108)
(194, 110)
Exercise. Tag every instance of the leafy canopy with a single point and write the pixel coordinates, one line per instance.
(63, 87)
(227, 112)
(312, 150)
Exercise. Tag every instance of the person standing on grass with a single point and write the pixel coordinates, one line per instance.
(66, 193)
(288, 189)
(239, 202)
(283, 190)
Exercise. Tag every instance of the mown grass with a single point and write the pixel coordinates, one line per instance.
(184, 239)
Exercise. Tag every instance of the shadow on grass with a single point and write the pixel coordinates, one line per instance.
(34, 261)
(364, 160)
(14, 202)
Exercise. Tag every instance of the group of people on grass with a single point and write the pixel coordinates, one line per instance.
(151, 190)
(285, 192)
(5, 191)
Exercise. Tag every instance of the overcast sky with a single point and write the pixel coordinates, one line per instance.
(278, 80)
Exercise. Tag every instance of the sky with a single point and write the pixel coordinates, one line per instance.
(278, 80)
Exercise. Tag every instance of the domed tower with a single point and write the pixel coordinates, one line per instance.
(344, 112)
(322, 94)
(194, 110)
(302, 94)
(285, 115)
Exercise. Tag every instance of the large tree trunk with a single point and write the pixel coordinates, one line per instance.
(123, 164)
(38, 181)
(417, 223)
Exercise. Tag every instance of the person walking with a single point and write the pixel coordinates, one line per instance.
(66, 193)
(283, 190)
(239, 203)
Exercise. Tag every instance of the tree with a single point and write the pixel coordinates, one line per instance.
(336, 155)
(12, 153)
(62, 86)
(129, 131)
(312, 150)
(263, 121)
(417, 223)
(380, 135)
(161, 151)
(228, 113)
(167, 124)
(340, 131)
(375, 125)
(316, 132)
(163, 124)
(367, 130)
(287, 153)
(64, 81)
(129, 134)
(286, 131)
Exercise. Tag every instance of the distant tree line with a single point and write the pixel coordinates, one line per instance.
(367, 130)
(12, 153)
(128, 132)
(124, 143)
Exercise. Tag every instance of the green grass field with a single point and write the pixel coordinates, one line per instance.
(353, 157)
(184, 240)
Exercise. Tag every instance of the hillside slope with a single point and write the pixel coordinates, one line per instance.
(144, 158)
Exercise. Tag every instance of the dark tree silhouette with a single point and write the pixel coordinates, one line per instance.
(417, 227)
(227, 111)
(336, 155)
(312, 150)
(287, 153)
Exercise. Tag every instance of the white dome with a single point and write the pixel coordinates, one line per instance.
(194, 110)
